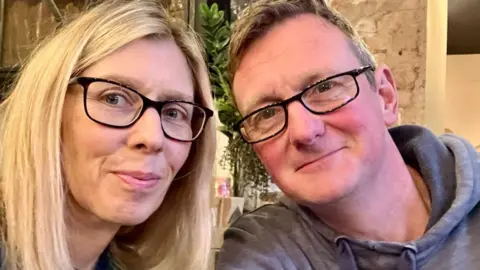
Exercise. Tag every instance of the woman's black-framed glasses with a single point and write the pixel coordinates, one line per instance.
(115, 105)
(321, 97)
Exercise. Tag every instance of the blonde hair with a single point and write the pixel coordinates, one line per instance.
(33, 230)
(261, 16)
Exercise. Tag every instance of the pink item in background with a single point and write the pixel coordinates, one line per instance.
(223, 187)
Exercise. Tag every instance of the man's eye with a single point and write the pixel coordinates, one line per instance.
(267, 113)
(323, 87)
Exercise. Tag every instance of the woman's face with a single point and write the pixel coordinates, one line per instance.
(122, 175)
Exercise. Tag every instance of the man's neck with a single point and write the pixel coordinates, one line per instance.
(393, 206)
(88, 237)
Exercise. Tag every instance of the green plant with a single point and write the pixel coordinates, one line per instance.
(246, 169)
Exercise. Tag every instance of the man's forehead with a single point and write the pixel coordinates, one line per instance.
(302, 47)
(285, 39)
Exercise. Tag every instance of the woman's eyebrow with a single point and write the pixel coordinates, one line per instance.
(173, 94)
(138, 85)
(125, 80)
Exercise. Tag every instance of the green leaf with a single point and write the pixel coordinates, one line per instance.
(223, 32)
(224, 44)
(218, 91)
(214, 8)
(226, 131)
(204, 10)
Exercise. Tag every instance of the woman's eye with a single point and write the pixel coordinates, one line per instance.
(176, 114)
(172, 113)
(115, 99)
(112, 99)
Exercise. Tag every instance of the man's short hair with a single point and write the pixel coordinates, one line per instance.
(261, 16)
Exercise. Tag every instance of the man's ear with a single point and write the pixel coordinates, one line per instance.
(387, 94)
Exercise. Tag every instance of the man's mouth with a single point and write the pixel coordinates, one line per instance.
(322, 158)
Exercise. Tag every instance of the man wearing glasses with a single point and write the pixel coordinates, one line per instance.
(317, 110)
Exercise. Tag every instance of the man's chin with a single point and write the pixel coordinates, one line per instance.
(317, 200)
(319, 194)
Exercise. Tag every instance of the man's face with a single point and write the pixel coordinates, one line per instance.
(317, 159)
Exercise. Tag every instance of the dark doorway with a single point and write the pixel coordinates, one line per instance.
(463, 27)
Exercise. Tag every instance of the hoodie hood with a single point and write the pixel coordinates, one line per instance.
(450, 167)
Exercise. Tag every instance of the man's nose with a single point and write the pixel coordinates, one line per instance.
(303, 126)
(147, 133)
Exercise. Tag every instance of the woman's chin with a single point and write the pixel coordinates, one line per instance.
(130, 218)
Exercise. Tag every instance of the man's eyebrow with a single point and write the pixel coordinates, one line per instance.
(265, 97)
(139, 86)
(312, 78)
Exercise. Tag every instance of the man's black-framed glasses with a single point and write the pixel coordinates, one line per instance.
(115, 105)
(322, 97)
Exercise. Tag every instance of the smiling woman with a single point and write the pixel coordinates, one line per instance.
(107, 148)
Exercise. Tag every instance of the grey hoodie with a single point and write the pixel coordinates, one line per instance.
(288, 236)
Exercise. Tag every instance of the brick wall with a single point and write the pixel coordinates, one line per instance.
(395, 31)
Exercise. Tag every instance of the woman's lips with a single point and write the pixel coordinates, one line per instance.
(139, 180)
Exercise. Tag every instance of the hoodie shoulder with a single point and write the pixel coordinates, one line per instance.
(250, 242)
(273, 237)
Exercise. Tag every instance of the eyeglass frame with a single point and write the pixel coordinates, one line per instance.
(85, 82)
(298, 97)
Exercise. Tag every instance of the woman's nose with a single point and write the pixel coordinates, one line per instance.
(147, 133)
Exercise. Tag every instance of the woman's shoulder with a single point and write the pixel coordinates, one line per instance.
(105, 261)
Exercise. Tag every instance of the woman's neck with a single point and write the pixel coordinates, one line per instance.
(88, 236)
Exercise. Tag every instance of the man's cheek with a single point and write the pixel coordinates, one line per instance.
(272, 161)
